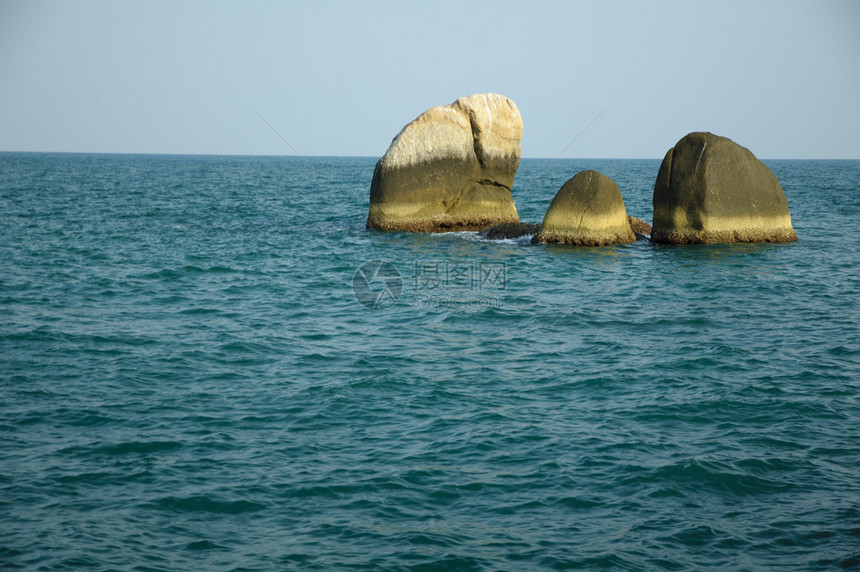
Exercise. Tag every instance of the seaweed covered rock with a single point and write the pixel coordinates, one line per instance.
(452, 168)
(638, 226)
(711, 190)
(509, 230)
(587, 211)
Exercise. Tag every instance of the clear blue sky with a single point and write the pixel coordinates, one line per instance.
(780, 77)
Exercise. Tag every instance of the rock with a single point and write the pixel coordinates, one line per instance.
(587, 211)
(509, 230)
(712, 190)
(452, 168)
(638, 226)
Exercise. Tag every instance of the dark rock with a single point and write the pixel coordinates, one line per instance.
(712, 190)
(638, 226)
(509, 230)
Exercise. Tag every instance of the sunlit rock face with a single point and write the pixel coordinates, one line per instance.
(587, 211)
(452, 168)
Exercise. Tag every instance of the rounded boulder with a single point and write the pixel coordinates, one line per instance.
(711, 190)
(587, 211)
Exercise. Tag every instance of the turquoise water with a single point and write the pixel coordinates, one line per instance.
(189, 381)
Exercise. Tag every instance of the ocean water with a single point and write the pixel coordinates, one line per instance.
(208, 363)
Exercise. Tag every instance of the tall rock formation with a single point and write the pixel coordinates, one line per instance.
(452, 168)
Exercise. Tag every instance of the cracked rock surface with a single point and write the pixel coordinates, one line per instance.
(452, 168)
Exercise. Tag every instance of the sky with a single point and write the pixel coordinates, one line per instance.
(780, 77)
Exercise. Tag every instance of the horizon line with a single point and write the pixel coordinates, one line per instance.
(297, 157)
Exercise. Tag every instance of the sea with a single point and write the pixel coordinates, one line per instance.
(209, 363)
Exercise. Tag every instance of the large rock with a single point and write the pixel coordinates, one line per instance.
(587, 211)
(710, 189)
(452, 168)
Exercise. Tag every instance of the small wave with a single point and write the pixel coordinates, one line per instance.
(127, 448)
(206, 504)
(699, 477)
(200, 311)
(579, 503)
(524, 240)
(202, 545)
(183, 271)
